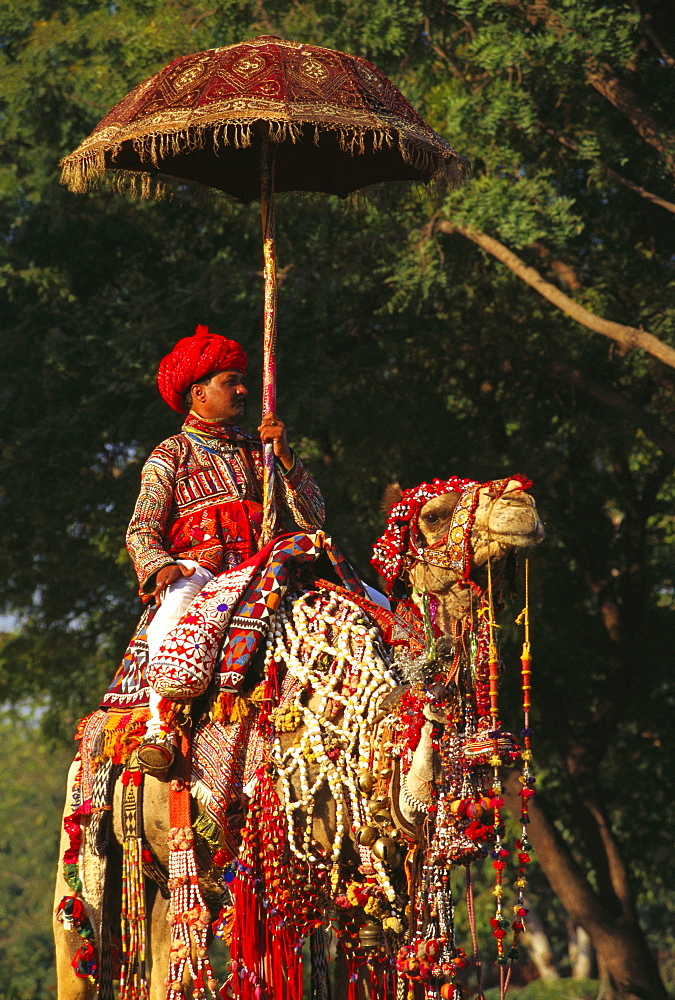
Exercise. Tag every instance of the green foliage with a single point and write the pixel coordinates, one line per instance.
(33, 783)
(401, 356)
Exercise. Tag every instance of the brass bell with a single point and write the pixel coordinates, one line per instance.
(366, 782)
(396, 859)
(383, 817)
(386, 772)
(370, 935)
(384, 849)
(366, 835)
(376, 804)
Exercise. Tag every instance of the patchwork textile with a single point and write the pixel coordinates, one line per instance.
(240, 602)
(91, 733)
(201, 499)
(263, 596)
(130, 690)
(221, 632)
(107, 735)
(225, 758)
(129, 687)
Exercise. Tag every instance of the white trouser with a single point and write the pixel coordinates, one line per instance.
(377, 597)
(176, 599)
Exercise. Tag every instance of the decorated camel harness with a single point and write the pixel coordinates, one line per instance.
(339, 772)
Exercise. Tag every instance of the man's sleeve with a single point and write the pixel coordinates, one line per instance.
(145, 534)
(301, 496)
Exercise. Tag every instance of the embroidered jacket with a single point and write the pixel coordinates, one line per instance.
(201, 499)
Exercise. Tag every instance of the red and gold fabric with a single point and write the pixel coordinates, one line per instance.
(201, 499)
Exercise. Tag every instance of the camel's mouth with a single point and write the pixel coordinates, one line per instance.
(530, 534)
(518, 524)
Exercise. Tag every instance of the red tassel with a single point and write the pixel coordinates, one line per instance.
(353, 991)
(270, 692)
(246, 948)
(272, 683)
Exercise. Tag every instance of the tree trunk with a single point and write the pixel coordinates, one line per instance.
(623, 955)
(580, 951)
(538, 947)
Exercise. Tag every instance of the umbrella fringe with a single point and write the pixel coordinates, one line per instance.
(81, 173)
(83, 169)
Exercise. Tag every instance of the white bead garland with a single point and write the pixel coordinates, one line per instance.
(339, 661)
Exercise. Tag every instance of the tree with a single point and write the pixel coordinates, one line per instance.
(30, 814)
(408, 350)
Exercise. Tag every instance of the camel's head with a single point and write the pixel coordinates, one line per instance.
(438, 533)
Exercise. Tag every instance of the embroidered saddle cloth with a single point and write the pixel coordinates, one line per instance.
(224, 625)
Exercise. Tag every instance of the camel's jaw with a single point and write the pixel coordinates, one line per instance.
(519, 536)
(512, 521)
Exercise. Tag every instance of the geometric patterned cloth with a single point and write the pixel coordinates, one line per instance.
(225, 757)
(129, 687)
(231, 614)
(201, 499)
(242, 602)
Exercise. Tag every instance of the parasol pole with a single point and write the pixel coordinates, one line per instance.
(269, 388)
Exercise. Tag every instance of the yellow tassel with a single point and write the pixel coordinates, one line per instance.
(222, 707)
(240, 709)
(258, 694)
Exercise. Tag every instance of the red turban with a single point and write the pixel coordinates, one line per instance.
(192, 359)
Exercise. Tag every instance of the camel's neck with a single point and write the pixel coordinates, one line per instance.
(450, 608)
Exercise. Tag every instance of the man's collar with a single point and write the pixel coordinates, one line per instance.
(202, 426)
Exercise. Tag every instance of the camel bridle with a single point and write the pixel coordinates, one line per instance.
(453, 549)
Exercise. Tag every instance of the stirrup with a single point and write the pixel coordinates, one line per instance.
(156, 756)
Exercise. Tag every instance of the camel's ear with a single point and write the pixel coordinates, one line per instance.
(391, 497)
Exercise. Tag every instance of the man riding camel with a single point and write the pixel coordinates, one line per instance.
(199, 511)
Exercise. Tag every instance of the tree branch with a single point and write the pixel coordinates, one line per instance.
(440, 52)
(619, 178)
(628, 337)
(607, 83)
(648, 31)
(618, 873)
(562, 271)
(652, 428)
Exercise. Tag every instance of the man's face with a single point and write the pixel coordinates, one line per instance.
(223, 398)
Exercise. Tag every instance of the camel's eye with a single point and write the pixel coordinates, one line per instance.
(431, 518)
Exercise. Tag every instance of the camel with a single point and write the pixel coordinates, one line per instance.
(349, 811)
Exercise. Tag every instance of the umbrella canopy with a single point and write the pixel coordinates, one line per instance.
(339, 124)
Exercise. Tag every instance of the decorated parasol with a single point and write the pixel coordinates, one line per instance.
(263, 116)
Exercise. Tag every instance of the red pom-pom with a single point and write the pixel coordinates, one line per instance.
(85, 962)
